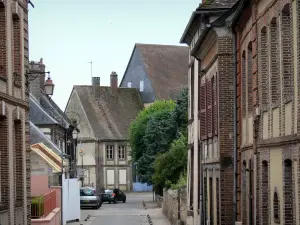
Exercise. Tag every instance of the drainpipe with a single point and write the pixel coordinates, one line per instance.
(235, 153)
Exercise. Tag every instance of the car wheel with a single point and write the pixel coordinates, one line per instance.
(124, 201)
(115, 201)
(109, 202)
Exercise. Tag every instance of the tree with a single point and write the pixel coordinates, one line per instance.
(171, 165)
(139, 125)
(153, 132)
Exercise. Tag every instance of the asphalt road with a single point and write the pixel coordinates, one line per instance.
(130, 213)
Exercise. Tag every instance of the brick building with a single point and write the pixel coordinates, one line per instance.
(14, 128)
(211, 114)
(267, 34)
(247, 142)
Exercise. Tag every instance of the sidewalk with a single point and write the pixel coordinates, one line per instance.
(156, 214)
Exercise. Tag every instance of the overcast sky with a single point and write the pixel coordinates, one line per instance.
(68, 34)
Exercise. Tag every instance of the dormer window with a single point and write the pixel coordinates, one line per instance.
(129, 84)
(141, 86)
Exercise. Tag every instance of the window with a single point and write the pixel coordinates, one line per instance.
(141, 86)
(110, 151)
(122, 152)
(192, 90)
(276, 207)
(129, 84)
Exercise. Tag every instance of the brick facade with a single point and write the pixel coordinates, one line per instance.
(270, 145)
(15, 198)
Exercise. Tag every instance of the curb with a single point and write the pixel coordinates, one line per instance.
(149, 219)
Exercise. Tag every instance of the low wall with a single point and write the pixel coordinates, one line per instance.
(170, 202)
(58, 195)
(52, 219)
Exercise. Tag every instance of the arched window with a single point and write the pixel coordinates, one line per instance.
(274, 53)
(244, 82)
(286, 48)
(264, 71)
(276, 207)
(249, 80)
(4, 163)
(244, 193)
(265, 193)
(288, 192)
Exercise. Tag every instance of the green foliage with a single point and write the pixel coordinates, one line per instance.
(161, 129)
(37, 207)
(181, 182)
(139, 125)
(170, 165)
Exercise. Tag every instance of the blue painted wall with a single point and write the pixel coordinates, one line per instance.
(135, 73)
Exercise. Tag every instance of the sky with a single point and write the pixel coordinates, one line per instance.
(68, 34)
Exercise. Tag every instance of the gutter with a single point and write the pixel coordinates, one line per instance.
(235, 153)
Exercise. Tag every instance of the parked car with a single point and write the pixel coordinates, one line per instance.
(114, 196)
(90, 198)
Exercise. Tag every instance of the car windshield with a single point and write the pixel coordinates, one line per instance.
(87, 192)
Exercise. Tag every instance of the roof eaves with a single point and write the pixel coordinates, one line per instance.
(194, 15)
(237, 13)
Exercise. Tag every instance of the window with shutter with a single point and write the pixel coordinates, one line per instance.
(209, 107)
(215, 106)
(192, 90)
(203, 111)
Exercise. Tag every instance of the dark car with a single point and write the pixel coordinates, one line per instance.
(114, 196)
(90, 198)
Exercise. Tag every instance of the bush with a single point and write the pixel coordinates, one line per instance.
(37, 207)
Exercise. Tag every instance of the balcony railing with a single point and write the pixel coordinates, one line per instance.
(41, 206)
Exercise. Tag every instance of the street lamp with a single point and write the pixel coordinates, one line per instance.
(49, 86)
(81, 153)
(74, 134)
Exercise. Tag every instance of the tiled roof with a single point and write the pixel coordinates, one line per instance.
(217, 4)
(110, 116)
(167, 68)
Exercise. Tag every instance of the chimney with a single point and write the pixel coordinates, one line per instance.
(114, 83)
(96, 87)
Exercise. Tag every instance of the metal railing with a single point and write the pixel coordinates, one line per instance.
(41, 206)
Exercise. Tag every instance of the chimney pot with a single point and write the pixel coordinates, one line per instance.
(114, 83)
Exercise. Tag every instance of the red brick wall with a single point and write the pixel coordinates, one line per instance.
(226, 99)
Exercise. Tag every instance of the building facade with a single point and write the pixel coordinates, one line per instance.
(254, 48)
(105, 114)
(267, 34)
(15, 198)
(211, 114)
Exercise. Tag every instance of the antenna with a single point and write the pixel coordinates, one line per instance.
(91, 71)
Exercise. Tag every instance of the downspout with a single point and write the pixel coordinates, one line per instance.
(235, 153)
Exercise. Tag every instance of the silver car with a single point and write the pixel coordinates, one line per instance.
(89, 198)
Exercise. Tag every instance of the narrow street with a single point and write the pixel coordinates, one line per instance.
(130, 213)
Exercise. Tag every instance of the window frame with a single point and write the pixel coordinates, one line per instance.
(122, 149)
(109, 152)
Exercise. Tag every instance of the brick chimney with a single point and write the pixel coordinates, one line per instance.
(114, 83)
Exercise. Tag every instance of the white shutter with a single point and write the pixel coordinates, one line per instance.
(122, 177)
(110, 175)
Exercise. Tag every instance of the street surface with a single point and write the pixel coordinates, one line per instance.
(130, 213)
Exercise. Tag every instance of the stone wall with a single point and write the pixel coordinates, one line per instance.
(169, 203)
